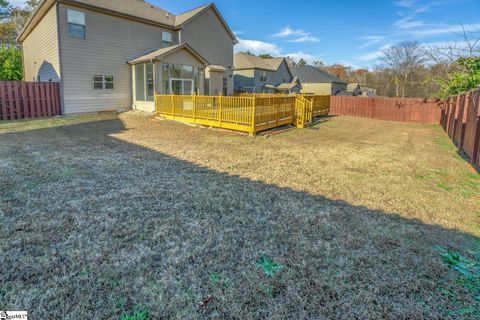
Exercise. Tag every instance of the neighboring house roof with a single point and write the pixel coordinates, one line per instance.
(275, 62)
(311, 74)
(215, 67)
(248, 61)
(163, 52)
(136, 9)
(289, 86)
(352, 86)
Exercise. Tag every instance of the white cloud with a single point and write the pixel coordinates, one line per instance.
(305, 39)
(238, 32)
(373, 56)
(288, 31)
(369, 57)
(370, 41)
(302, 55)
(408, 23)
(257, 47)
(405, 3)
(435, 30)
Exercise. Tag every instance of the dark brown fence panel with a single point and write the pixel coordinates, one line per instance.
(393, 109)
(457, 134)
(20, 100)
(461, 120)
(471, 133)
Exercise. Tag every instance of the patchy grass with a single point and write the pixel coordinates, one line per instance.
(343, 220)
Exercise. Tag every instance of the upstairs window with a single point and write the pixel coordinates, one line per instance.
(76, 24)
(263, 76)
(166, 39)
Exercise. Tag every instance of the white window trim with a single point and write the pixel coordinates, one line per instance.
(171, 38)
(103, 81)
(84, 25)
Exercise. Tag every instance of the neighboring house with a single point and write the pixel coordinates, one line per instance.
(256, 75)
(115, 54)
(368, 92)
(355, 90)
(317, 81)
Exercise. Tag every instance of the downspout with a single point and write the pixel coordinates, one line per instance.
(59, 45)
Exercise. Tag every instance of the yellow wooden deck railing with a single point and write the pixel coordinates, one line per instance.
(249, 114)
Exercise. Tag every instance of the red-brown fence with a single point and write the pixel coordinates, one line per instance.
(20, 100)
(460, 118)
(393, 109)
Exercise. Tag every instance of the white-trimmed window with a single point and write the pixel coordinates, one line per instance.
(108, 82)
(167, 40)
(263, 76)
(76, 24)
(103, 82)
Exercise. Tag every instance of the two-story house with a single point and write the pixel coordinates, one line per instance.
(257, 75)
(116, 54)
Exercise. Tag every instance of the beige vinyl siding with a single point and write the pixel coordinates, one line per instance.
(323, 88)
(207, 35)
(110, 42)
(41, 50)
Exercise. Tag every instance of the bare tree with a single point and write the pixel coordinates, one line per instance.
(402, 60)
(443, 58)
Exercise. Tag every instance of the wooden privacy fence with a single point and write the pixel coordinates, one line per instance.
(19, 100)
(393, 109)
(250, 114)
(460, 117)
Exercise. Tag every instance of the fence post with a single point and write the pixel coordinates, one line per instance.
(252, 133)
(195, 107)
(173, 106)
(220, 101)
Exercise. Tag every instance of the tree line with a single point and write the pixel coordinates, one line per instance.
(12, 21)
(413, 69)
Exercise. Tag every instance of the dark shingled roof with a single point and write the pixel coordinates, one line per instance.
(310, 74)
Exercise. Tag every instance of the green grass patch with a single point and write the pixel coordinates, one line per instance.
(136, 315)
(268, 266)
(467, 270)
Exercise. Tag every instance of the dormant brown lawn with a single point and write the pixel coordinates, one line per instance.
(105, 214)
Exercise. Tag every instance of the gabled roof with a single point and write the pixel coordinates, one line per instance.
(289, 86)
(247, 61)
(311, 74)
(352, 86)
(163, 52)
(188, 16)
(135, 9)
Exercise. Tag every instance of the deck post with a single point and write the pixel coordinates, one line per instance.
(173, 106)
(220, 101)
(252, 133)
(194, 99)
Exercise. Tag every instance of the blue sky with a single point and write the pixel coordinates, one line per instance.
(350, 32)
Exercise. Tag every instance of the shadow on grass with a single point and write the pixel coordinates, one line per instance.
(93, 226)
